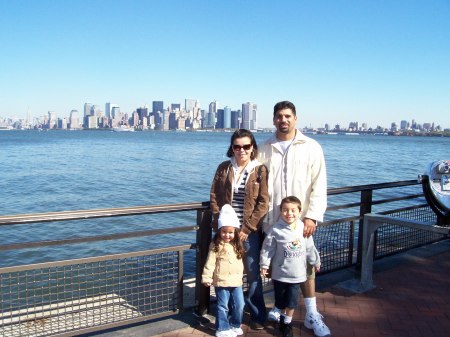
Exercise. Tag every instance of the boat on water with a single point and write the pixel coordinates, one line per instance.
(123, 128)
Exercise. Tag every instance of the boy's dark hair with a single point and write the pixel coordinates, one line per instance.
(284, 105)
(240, 133)
(236, 242)
(291, 200)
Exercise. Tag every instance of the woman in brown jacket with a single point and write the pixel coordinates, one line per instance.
(242, 183)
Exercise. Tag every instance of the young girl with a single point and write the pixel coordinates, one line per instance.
(224, 269)
(290, 252)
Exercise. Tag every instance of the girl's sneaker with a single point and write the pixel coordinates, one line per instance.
(225, 333)
(274, 314)
(237, 331)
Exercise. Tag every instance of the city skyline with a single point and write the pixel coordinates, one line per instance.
(192, 108)
(338, 62)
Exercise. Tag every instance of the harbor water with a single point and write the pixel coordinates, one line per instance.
(54, 171)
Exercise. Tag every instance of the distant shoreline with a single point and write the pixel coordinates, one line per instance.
(405, 133)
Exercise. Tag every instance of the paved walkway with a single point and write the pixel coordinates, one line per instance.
(411, 298)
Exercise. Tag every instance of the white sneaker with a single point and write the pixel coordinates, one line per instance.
(274, 314)
(225, 333)
(315, 322)
(237, 331)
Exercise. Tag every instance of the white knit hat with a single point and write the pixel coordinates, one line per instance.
(228, 217)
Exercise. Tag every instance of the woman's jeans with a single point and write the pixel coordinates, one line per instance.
(255, 298)
(234, 297)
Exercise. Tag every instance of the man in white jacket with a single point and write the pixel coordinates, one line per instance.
(296, 167)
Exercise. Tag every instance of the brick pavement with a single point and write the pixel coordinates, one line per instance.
(411, 298)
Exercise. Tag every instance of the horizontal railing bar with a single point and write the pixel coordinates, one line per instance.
(53, 264)
(404, 209)
(98, 213)
(360, 217)
(334, 221)
(408, 197)
(36, 244)
(374, 202)
(359, 188)
(344, 206)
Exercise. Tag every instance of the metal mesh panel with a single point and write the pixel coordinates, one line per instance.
(393, 239)
(335, 245)
(58, 299)
(424, 214)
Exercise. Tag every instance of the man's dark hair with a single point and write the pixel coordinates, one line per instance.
(284, 105)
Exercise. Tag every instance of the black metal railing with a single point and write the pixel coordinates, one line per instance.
(75, 296)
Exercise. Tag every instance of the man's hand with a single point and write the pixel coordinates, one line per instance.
(310, 227)
(264, 272)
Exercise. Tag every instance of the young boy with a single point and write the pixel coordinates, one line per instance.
(289, 252)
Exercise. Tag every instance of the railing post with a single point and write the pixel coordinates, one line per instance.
(203, 240)
(365, 208)
(370, 227)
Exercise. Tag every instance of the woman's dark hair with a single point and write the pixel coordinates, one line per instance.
(284, 105)
(236, 242)
(240, 133)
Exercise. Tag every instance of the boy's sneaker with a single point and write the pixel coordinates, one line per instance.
(315, 322)
(274, 315)
(225, 333)
(237, 331)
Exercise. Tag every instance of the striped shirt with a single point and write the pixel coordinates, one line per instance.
(238, 198)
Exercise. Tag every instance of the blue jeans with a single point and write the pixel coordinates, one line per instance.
(234, 296)
(255, 298)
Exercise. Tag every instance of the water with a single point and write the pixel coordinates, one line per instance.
(72, 170)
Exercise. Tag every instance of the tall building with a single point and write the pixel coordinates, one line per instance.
(87, 109)
(108, 109)
(193, 112)
(211, 116)
(191, 105)
(52, 120)
(226, 118)
(158, 106)
(142, 112)
(249, 116)
(403, 125)
(74, 119)
(220, 119)
(94, 110)
(175, 106)
(115, 111)
(236, 119)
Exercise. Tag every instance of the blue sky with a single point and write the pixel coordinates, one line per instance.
(339, 61)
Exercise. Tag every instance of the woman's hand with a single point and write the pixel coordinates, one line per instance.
(206, 284)
(243, 236)
(264, 272)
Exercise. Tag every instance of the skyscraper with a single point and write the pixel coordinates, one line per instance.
(158, 106)
(226, 117)
(74, 119)
(220, 119)
(108, 109)
(87, 108)
(249, 116)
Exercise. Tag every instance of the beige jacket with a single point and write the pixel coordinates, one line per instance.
(300, 172)
(223, 269)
